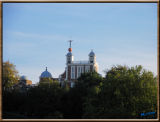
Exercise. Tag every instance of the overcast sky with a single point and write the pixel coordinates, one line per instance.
(35, 35)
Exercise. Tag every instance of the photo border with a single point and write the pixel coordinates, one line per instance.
(77, 1)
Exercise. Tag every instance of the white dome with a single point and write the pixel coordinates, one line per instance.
(46, 74)
(92, 53)
(23, 78)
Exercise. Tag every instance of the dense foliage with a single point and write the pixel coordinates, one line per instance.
(123, 93)
(10, 75)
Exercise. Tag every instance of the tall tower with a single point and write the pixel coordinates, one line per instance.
(69, 56)
(92, 61)
(92, 57)
(69, 61)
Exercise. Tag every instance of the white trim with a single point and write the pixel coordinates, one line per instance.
(67, 73)
(78, 71)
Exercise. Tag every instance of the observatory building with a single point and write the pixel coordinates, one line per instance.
(46, 76)
(74, 69)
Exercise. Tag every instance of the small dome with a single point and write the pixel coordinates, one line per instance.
(92, 53)
(46, 74)
(69, 54)
(23, 78)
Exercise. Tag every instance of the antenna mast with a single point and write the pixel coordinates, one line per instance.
(70, 41)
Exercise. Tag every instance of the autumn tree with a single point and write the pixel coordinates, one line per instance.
(10, 75)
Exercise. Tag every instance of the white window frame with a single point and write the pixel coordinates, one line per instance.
(72, 72)
(78, 71)
(87, 68)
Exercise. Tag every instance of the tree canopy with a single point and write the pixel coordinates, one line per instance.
(124, 93)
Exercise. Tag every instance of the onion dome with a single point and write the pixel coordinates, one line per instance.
(46, 74)
(92, 53)
(69, 54)
(23, 78)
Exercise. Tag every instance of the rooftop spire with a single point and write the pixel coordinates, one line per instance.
(46, 68)
(70, 49)
(70, 41)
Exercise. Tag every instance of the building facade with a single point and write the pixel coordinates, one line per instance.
(23, 84)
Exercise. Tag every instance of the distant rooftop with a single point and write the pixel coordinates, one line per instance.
(80, 62)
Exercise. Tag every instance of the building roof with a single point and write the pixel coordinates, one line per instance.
(69, 54)
(46, 74)
(23, 78)
(92, 53)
